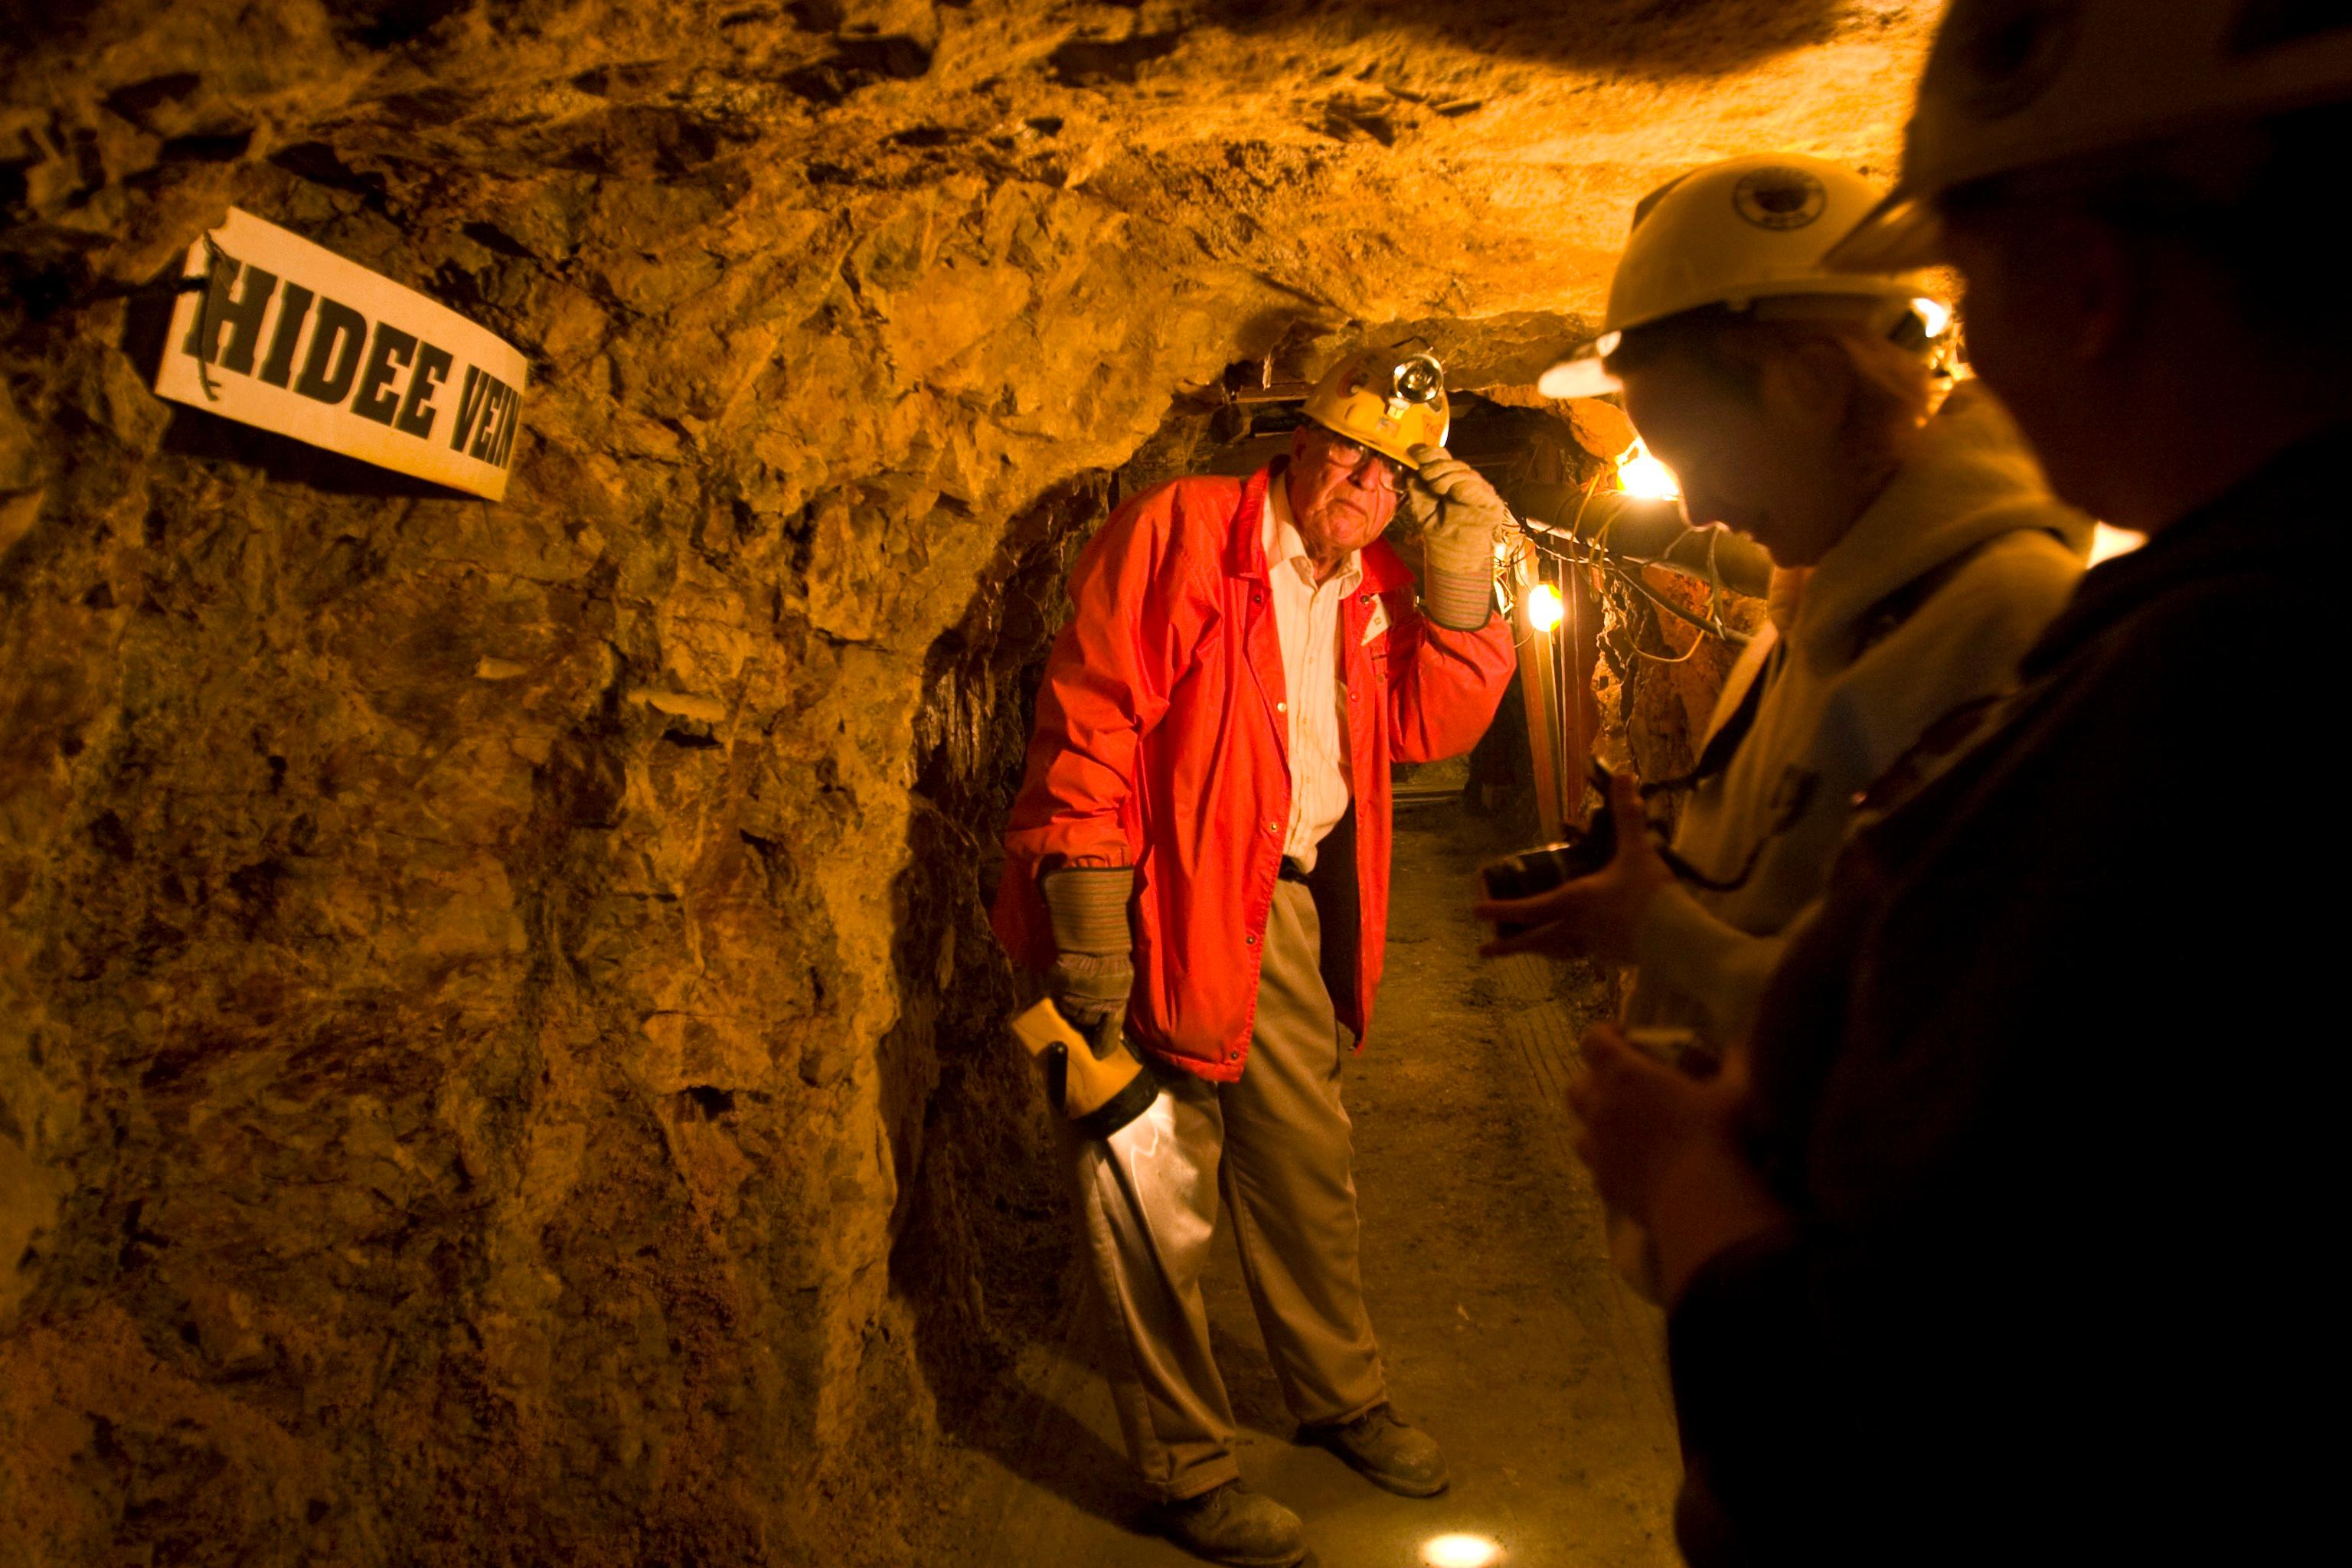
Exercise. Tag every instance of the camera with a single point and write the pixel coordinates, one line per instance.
(1548, 866)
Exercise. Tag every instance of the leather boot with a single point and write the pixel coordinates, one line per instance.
(1234, 1525)
(1385, 1451)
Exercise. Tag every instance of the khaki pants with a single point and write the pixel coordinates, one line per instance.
(1277, 1146)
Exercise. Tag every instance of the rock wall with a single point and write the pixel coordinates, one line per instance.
(499, 1059)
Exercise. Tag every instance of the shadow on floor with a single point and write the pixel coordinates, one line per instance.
(1058, 1434)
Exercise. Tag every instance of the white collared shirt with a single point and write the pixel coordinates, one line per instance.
(1307, 620)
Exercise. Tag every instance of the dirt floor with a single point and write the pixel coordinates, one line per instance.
(1506, 1332)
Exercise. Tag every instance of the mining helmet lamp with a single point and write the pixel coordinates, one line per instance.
(1388, 401)
(1419, 379)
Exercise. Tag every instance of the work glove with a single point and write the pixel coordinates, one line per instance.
(1094, 966)
(1460, 517)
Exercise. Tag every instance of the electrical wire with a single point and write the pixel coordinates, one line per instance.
(1697, 642)
(1597, 553)
(1542, 550)
(1545, 542)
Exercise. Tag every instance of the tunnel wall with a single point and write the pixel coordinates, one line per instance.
(499, 1050)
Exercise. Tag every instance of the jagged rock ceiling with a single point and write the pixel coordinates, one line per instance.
(484, 991)
(1367, 158)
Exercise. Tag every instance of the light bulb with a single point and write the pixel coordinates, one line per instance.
(2110, 541)
(1544, 608)
(1640, 474)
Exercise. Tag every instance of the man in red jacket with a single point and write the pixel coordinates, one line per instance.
(1201, 849)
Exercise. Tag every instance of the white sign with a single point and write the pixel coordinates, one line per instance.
(277, 333)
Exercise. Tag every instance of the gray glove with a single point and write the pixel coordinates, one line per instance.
(1094, 967)
(1460, 517)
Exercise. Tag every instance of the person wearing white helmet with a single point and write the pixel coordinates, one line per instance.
(2008, 1236)
(1918, 555)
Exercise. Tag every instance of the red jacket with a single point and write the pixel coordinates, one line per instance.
(1158, 744)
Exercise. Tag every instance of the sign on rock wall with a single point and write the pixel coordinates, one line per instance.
(277, 333)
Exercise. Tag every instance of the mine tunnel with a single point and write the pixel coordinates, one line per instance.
(504, 1055)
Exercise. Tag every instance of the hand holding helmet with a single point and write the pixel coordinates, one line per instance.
(1394, 402)
(1459, 517)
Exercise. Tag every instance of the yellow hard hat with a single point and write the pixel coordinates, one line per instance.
(2014, 84)
(1387, 399)
(1733, 234)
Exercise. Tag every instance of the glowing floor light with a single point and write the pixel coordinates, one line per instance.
(1461, 1552)
(1544, 610)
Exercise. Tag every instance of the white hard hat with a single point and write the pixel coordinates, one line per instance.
(2014, 84)
(1731, 234)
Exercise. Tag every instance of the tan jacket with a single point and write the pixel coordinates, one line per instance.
(1924, 608)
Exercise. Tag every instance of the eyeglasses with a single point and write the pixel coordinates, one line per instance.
(1339, 452)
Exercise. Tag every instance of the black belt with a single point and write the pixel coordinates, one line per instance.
(1292, 871)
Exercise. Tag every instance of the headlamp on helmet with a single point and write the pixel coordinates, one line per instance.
(1385, 399)
(1418, 378)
